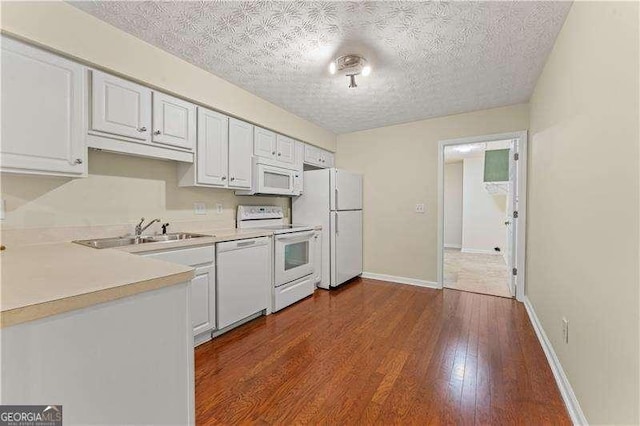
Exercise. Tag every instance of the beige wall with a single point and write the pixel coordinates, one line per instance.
(583, 213)
(399, 164)
(64, 28)
(453, 204)
(119, 190)
(483, 214)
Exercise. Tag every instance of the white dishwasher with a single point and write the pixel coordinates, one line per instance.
(244, 279)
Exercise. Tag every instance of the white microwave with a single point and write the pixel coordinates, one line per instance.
(270, 179)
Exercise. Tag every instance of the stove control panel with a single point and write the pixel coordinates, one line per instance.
(259, 212)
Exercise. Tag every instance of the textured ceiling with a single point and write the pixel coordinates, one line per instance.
(428, 58)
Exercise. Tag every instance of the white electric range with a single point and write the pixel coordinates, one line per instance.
(293, 255)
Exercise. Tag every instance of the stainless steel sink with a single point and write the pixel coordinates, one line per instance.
(173, 237)
(103, 243)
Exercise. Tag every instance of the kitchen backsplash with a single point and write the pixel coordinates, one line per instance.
(117, 193)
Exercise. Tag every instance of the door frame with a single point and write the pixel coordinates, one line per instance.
(520, 223)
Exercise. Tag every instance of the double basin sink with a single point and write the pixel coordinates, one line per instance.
(103, 243)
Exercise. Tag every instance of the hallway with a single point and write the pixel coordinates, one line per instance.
(476, 272)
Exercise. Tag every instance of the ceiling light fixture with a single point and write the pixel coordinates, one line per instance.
(350, 66)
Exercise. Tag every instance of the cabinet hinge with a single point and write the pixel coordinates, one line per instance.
(514, 271)
(515, 214)
(516, 156)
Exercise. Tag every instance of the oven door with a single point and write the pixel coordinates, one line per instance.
(293, 256)
(275, 180)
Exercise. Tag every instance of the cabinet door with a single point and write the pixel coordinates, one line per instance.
(312, 155)
(120, 107)
(317, 257)
(285, 149)
(240, 153)
(42, 111)
(329, 160)
(213, 142)
(264, 143)
(203, 300)
(299, 155)
(174, 121)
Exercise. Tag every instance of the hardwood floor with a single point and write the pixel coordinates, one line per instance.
(373, 352)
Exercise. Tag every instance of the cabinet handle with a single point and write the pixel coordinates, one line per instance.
(224, 178)
(78, 161)
(246, 243)
(232, 179)
(273, 153)
(142, 129)
(279, 154)
(157, 132)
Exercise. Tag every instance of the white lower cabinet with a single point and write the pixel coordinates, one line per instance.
(202, 288)
(317, 257)
(42, 112)
(244, 279)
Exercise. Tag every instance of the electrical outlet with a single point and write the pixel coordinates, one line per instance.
(420, 208)
(199, 208)
(219, 208)
(565, 330)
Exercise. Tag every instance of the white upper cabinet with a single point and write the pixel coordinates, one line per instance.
(240, 150)
(42, 112)
(213, 142)
(318, 157)
(174, 121)
(285, 149)
(120, 107)
(264, 143)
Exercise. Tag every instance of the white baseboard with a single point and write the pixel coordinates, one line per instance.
(478, 251)
(400, 280)
(570, 400)
(453, 246)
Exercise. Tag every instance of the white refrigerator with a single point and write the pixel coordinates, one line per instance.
(333, 198)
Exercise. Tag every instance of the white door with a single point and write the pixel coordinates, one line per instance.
(317, 254)
(264, 143)
(346, 246)
(285, 149)
(203, 300)
(174, 121)
(240, 153)
(42, 98)
(120, 107)
(511, 221)
(346, 190)
(213, 140)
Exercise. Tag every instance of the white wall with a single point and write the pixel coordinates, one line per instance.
(483, 214)
(400, 168)
(453, 195)
(583, 206)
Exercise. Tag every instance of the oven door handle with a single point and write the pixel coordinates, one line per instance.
(297, 236)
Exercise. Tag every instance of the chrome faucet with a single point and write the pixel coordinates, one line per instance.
(140, 229)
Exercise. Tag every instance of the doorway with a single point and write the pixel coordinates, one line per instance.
(481, 183)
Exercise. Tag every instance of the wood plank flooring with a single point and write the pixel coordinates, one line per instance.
(373, 352)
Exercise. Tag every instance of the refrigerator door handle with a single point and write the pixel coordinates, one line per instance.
(337, 224)
(336, 197)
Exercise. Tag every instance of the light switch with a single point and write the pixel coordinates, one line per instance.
(199, 208)
(420, 208)
(3, 208)
(219, 208)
